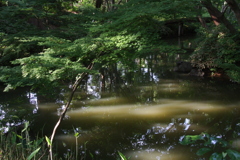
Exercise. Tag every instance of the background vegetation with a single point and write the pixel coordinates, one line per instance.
(47, 42)
(44, 44)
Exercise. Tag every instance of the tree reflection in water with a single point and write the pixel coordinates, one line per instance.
(144, 112)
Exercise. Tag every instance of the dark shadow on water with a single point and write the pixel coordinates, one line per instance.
(143, 113)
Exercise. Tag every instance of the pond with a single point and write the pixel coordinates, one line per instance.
(143, 113)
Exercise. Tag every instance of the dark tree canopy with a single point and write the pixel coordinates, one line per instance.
(47, 42)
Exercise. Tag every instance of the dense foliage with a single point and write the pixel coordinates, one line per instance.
(219, 44)
(47, 42)
(44, 43)
(74, 33)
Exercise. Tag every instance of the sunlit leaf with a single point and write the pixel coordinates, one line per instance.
(122, 156)
(189, 139)
(49, 142)
(76, 134)
(19, 136)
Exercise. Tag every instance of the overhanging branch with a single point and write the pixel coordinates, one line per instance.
(74, 88)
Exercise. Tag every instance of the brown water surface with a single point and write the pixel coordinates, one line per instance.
(144, 113)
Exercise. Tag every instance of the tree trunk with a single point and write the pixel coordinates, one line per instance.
(200, 18)
(202, 21)
(218, 17)
(180, 29)
(113, 7)
(234, 6)
(99, 3)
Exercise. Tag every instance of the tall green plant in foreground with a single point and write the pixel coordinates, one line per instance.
(122, 156)
(217, 148)
(20, 146)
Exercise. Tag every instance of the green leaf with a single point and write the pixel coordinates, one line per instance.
(33, 154)
(76, 134)
(189, 139)
(15, 136)
(122, 156)
(26, 125)
(202, 151)
(48, 141)
(216, 156)
(64, 144)
(92, 156)
(223, 143)
(224, 154)
(234, 155)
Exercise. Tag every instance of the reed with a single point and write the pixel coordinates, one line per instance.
(21, 146)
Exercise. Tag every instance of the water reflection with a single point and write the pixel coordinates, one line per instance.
(107, 101)
(15, 109)
(157, 154)
(148, 139)
(33, 100)
(165, 109)
(143, 112)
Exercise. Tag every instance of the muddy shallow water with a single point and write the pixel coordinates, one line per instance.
(143, 113)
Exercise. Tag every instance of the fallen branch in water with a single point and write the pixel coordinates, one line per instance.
(74, 88)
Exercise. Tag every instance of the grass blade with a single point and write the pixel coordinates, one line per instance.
(122, 156)
(33, 154)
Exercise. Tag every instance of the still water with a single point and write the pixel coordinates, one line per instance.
(144, 113)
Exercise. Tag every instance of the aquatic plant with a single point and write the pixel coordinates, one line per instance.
(218, 148)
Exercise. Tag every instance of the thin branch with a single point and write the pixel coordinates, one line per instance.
(74, 88)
